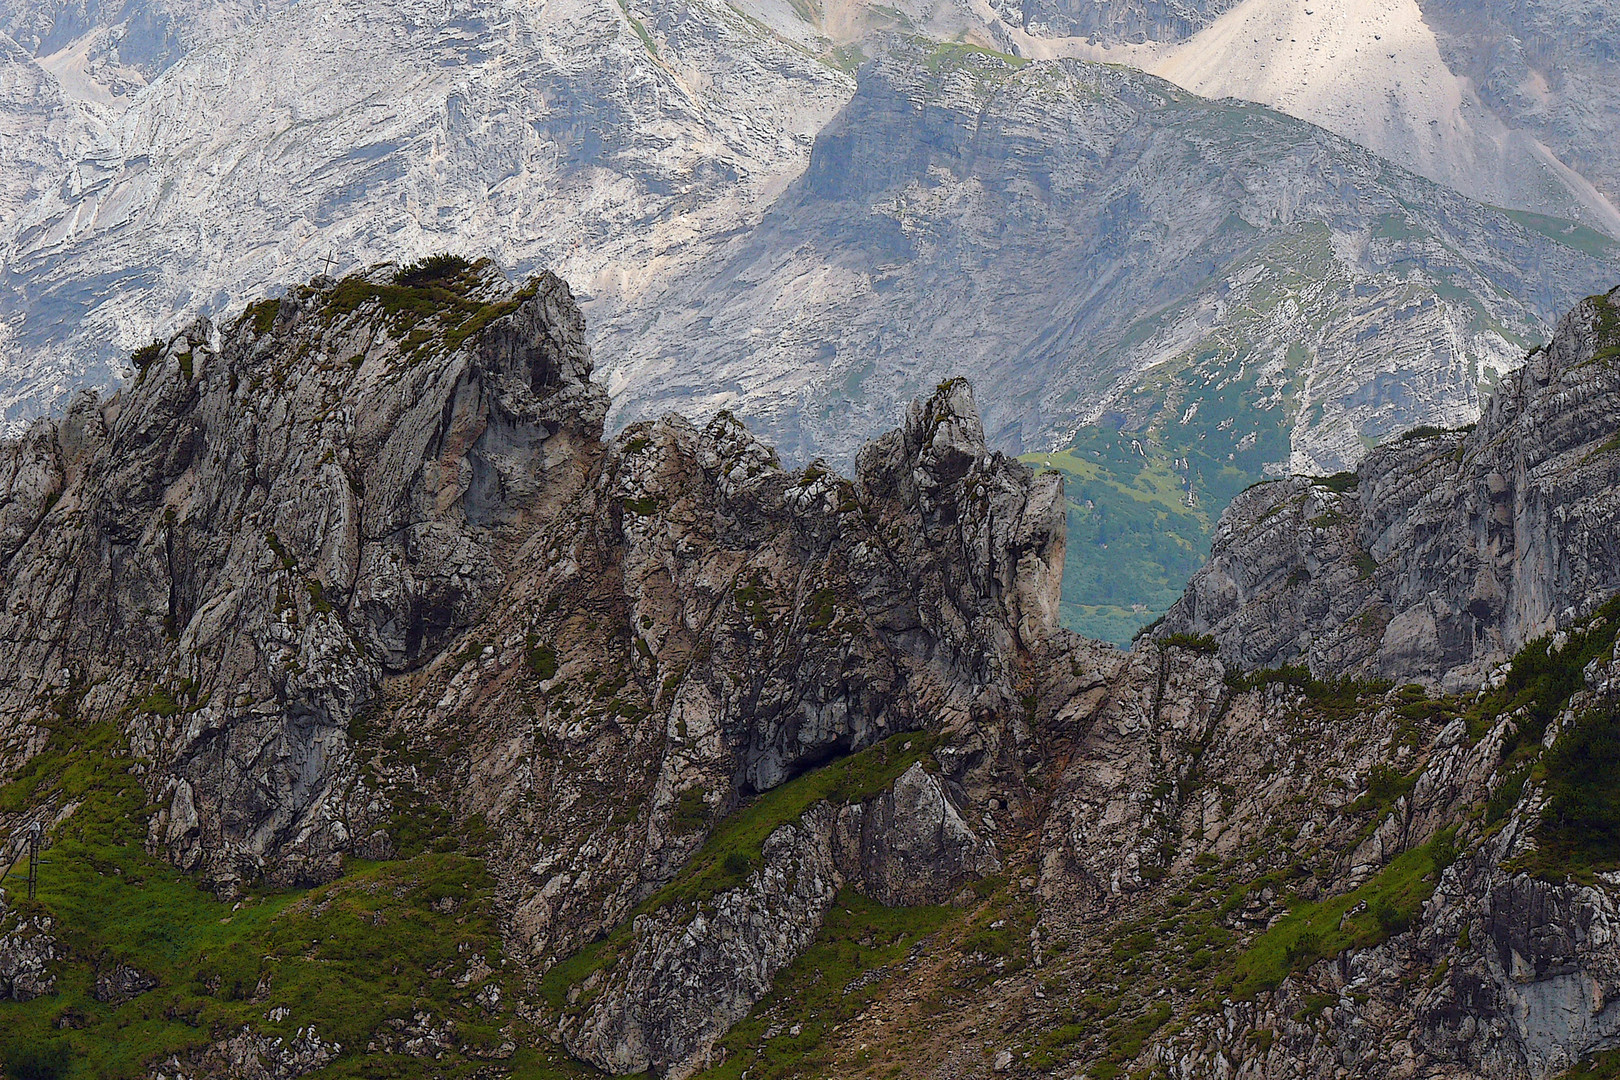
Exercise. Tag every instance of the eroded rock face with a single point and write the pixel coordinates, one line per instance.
(27, 949)
(349, 555)
(363, 558)
(1449, 550)
(1504, 975)
(911, 844)
(236, 550)
(120, 983)
(688, 974)
(251, 1056)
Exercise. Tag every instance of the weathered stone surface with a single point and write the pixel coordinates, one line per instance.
(364, 554)
(1452, 550)
(247, 1055)
(248, 540)
(120, 983)
(323, 538)
(911, 845)
(27, 948)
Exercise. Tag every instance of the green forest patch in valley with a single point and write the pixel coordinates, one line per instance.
(1143, 497)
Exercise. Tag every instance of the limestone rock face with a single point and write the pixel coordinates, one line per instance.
(30, 478)
(239, 547)
(365, 548)
(911, 844)
(687, 977)
(253, 1057)
(121, 983)
(1134, 21)
(1449, 550)
(27, 949)
(360, 565)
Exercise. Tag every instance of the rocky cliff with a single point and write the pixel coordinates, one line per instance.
(1541, 65)
(710, 158)
(383, 717)
(757, 219)
(369, 538)
(1445, 551)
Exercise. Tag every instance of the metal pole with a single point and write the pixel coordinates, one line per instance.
(33, 860)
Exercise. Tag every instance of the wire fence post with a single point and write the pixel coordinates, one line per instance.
(33, 860)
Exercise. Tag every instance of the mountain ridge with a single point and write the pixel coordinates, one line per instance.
(654, 748)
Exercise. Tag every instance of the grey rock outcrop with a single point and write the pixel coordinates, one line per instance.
(691, 976)
(1503, 975)
(690, 972)
(120, 983)
(365, 547)
(240, 567)
(910, 845)
(1449, 550)
(251, 1056)
(362, 562)
(27, 949)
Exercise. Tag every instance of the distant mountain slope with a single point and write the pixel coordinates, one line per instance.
(1060, 230)
(68, 70)
(1548, 67)
(40, 132)
(606, 140)
(1191, 295)
(1420, 85)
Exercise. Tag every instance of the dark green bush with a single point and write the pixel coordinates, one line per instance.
(1583, 787)
(691, 814)
(47, 1062)
(147, 355)
(1340, 482)
(542, 658)
(442, 269)
(1541, 680)
(1195, 642)
(1392, 918)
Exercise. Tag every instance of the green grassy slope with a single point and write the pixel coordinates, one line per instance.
(383, 941)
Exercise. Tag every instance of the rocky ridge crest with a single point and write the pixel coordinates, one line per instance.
(694, 764)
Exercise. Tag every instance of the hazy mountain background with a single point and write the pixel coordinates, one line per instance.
(1166, 296)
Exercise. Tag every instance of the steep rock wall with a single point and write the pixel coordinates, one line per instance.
(1449, 550)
